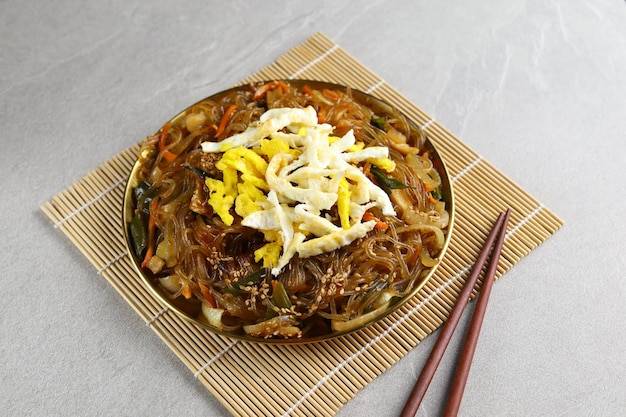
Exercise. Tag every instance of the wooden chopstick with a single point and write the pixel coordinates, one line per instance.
(467, 354)
(421, 385)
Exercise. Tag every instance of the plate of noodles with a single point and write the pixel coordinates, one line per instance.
(287, 211)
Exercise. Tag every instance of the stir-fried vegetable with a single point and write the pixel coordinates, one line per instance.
(138, 234)
(378, 121)
(385, 182)
(252, 279)
(151, 229)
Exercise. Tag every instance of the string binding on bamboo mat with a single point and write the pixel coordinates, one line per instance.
(321, 376)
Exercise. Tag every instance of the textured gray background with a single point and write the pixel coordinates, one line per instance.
(536, 87)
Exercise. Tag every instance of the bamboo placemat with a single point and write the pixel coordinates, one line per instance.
(312, 379)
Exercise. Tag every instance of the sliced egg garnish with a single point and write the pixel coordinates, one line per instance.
(290, 173)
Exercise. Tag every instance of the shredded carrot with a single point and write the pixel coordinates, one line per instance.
(168, 155)
(307, 90)
(206, 293)
(267, 87)
(149, 254)
(186, 292)
(416, 254)
(380, 225)
(321, 115)
(225, 119)
(428, 187)
(151, 226)
(432, 199)
(366, 169)
(164, 132)
(208, 128)
(330, 94)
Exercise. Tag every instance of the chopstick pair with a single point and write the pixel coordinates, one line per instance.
(460, 378)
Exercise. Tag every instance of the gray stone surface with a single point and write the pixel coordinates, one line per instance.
(537, 88)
